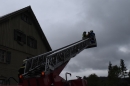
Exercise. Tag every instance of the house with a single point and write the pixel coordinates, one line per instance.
(21, 37)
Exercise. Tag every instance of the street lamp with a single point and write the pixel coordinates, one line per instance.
(66, 75)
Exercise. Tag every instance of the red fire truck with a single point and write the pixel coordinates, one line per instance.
(44, 69)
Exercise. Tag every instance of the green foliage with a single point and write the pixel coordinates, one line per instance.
(110, 66)
(93, 80)
(113, 75)
(129, 74)
(93, 77)
(109, 69)
(116, 76)
(113, 71)
(85, 77)
(123, 68)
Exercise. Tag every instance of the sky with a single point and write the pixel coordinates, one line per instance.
(63, 22)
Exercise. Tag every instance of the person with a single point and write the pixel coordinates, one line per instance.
(21, 69)
(88, 35)
(92, 36)
(84, 35)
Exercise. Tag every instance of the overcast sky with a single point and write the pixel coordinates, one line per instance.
(63, 22)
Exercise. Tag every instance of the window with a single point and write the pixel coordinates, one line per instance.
(31, 42)
(20, 37)
(5, 56)
(26, 18)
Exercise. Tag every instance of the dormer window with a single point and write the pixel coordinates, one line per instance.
(26, 18)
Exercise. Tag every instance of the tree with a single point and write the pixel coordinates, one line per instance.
(123, 68)
(113, 75)
(109, 69)
(129, 74)
(110, 66)
(116, 71)
(93, 80)
(85, 77)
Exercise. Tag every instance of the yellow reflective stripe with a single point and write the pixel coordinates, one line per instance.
(22, 67)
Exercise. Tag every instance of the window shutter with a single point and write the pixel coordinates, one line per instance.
(15, 35)
(35, 44)
(24, 38)
(8, 57)
(28, 40)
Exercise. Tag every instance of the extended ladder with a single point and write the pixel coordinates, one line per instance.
(53, 59)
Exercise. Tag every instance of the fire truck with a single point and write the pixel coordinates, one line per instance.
(44, 69)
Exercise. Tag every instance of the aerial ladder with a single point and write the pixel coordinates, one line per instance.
(44, 69)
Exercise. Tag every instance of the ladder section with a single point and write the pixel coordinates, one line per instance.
(53, 59)
(58, 58)
(37, 62)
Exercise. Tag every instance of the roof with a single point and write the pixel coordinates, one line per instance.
(28, 8)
